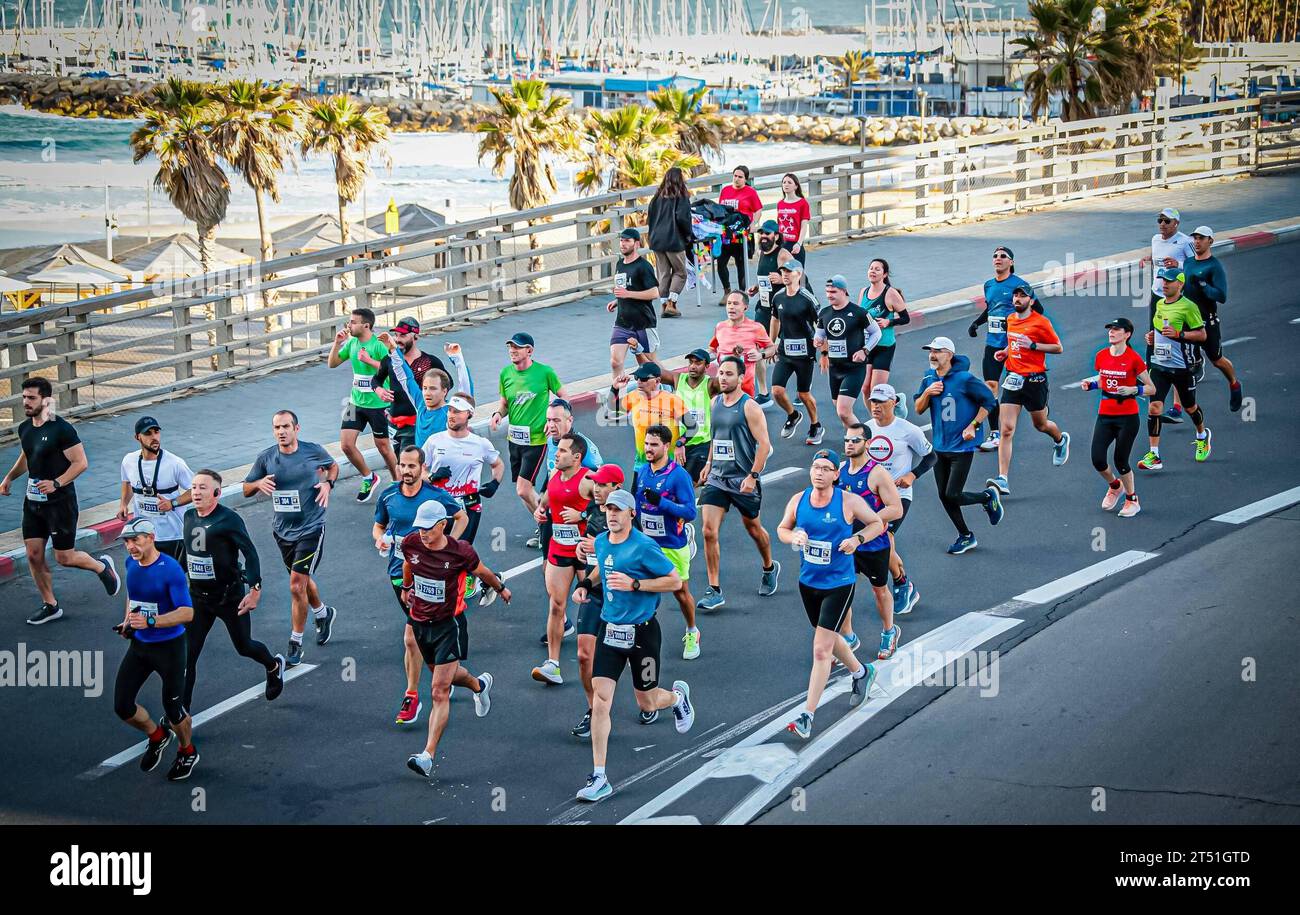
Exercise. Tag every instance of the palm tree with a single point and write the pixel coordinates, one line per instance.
(856, 66)
(1072, 57)
(178, 120)
(528, 127)
(696, 124)
(350, 135)
(1154, 33)
(610, 137)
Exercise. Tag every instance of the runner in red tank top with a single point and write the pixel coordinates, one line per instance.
(567, 493)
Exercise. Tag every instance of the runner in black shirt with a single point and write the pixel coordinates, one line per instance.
(635, 289)
(214, 538)
(794, 321)
(845, 334)
(52, 456)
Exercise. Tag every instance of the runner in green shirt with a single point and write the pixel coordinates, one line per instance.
(526, 392)
(697, 390)
(1176, 329)
(365, 406)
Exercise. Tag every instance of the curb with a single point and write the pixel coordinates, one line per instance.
(13, 563)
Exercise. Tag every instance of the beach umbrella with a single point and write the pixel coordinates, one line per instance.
(59, 256)
(9, 284)
(411, 217)
(317, 233)
(177, 257)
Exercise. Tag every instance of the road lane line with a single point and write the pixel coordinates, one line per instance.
(521, 568)
(1236, 340)
(202, 717)
(1075, 581)
(1262, 507)
(773, 475)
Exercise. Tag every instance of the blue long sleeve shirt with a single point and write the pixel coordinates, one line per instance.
(428, 421)
(665, 522)
(952, 411)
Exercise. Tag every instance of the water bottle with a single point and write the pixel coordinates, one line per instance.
(794, 546)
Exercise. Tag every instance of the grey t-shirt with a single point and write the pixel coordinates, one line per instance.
(294, 500)
(733, 447)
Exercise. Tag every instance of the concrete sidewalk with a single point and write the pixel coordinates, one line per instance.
(226, 427)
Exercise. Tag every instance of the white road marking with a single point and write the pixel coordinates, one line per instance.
(1294, 321)
(1068, 584)
(649, 746)
(773, 475)
(521, 568)
(1262, 507)
(1236, 340)
(202, 717)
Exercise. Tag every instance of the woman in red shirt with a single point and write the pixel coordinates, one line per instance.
(794, 217)
(1121, 376)
(745, 199)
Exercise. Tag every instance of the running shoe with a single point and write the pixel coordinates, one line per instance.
(409, 711)
(183, 766)
(889, 642)
(999, 483)
(597, 789)
(1173, 415)
(904, 598)
(275, 679)
(548, 672)
(534, 542)
(153, 752)
(913, 599)
(1131, 508)
(1234, 398)
(860, 687)
(900, 406)
(569, 629)
(963, 544)
(991, 443)
(1203, 447)
(711, 600)
(691, 641)
(993, 507)
(801, 725)
(763, 399)
(471, 587)
(649, 717)
(483, 698)
(853, 641)
(816, 432)
(294, 657)
(1151, 462)
(691, 547)
(792, 422)
(767, 584)
(368, 487)
(683, 711)
(1061, 450)
(325, 625)
(421, 764)
(111, 580)
(1111, 499)
(47, 613)
(582, 730)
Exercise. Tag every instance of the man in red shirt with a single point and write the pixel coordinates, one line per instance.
(1030, 337)
(739, 336)
(1121, 376)
(433, 586)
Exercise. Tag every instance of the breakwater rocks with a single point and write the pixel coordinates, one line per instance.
(112, 98)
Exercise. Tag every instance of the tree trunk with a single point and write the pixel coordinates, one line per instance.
(345, 279)
(535, 263)
(268, 298)
(205, 233)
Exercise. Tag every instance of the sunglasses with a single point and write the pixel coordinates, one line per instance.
(856, 440)
(1001, 256)
(1162, 220)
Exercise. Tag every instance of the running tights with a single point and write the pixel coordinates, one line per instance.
(950, 471)
(1120, 430)
(240, 628)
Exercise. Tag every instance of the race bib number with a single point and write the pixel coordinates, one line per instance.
(1013, 382)
(620, 637)
(34, 494)
(149, 610)
(796, 347)
(286, 500)
(997, 325)
(363, 383)
(397, 549)
(148, 505)
(765, 290)
(200, 567)
(519, 435)
(724, 449)
(430, 590)
(1164, 348)
(653, 525)
(818, 552)
(620, 280)
(697, 417)
(565, 534)
(837, 349)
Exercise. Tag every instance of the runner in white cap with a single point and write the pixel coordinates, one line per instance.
(1207, 286)
(1169, 248)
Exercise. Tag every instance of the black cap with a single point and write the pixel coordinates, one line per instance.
(1010, 254)
(145, 423)
(521, 339)
(647, 370)
(631, 232)
(701, 354)
(1025, 289)
(1121, 323)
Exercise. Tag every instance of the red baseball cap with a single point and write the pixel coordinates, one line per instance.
(608, 473)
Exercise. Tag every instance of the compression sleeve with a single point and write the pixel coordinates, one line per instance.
(464, 381)
(926, 464)
(403, 375)
(244, 543)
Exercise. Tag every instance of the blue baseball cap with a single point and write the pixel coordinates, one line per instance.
(839, 282)
(1172, 273)
(770, 227)
(827, 454)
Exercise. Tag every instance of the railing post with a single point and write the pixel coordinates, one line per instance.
(224, 309)
(327, 310)
(65, 343)
(1160, 173)
(922, 189)
(456, 278)
(1121, 160)
(844, 203)
(949, 183)
(1048, 187)
(184, 342)
(496, 292)
(361, 279)
(585, 221)
(1022, 175)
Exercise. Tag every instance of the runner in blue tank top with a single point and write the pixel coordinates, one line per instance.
(862, 476)
(819, 522)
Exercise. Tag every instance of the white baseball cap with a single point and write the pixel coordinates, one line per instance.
(429, 514)
(461, 404)
(137, 527)
(1203, 230)
(883, 393)
(941, 343)
(1170, 213)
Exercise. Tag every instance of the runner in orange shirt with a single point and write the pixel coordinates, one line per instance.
(742, 337)
(651, 405)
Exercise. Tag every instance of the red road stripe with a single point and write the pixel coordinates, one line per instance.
(108, 530)
(1254, 239)
(7, 567)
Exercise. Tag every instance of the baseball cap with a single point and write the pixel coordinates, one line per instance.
(1172, 273)
(1011, 254)
(1203, 230)
(1171, 213)
(787, 261)
(621, 498)
(521, 339)
(701, 355)
(428, 514)
(941, 343)
(883, 393)
(137, 527)
(1025, 289)
(461, 404)
(1121, 323)
(770, 227)
(631, 232)
(407, 325)
(145, 423)
(839, 282)
(647, 370)
(608, 473)
(827, 454)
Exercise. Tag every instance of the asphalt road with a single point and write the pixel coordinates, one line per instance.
(327, 751)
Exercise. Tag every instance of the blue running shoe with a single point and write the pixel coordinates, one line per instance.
(963, 544)
(993, 506)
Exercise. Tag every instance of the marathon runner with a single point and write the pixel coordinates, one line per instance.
(904, 449)
(402, 415)
(526, 389)
(299, 477)
(767, 276)
(958, 404)
(846, 337)
(559, 421)
(872, 481)
(604, 481)
(364, 406)
(568, 493)
(1169, 248)
(1207, 286)
(887, 309)
(819, 522)
(635, 290)
(156, 485)
(1121, 377)
(697, 390)
(794, 325)
(633, 572)
(433, 580)
(665, 507)
(158, 606)
(394, 519)
(1030, 336)
(427, 394)
(52, 456)
(214, 537)
(1178, 327)
(736, 460)
(997, 306)
(651, 405)
(738, 336)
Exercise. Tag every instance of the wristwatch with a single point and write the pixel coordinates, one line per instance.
(57, 484)
(332, 483)
(754, 474)
(256, 586)
(861, 539)
(636, 584)
(1033, 344)
(150, 621)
